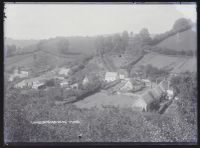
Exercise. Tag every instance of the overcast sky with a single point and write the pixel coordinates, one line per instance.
(40, 21)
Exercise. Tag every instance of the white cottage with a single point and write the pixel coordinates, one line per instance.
(111, 76)
(74, 86)
(36, 84)
(64, 83)
(147, 82)
(19, 74)
(170, 94)
(21, 84)
(64, 71)
(85, 81)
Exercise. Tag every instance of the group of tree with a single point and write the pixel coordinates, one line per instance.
(180, 25)
(116, 43)
(151, 72)
(185, 88)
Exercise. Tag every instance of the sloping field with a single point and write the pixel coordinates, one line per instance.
(100, 99)
(177, 63)
(27, 60)
(186, 40)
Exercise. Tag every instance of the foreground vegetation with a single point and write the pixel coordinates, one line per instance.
(108, 125)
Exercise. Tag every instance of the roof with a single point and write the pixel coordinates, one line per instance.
(147, 98)
(146, 80)
(111, 74)
(164, 84)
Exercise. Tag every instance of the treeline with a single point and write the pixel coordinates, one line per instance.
(179, 26)
(127, 42)
(168, 51)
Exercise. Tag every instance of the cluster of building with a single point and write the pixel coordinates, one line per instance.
(126, 84)
(18, 74)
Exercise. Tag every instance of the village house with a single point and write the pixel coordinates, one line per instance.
(165, 85)
(111, 76)
(85, 81)
(147, 82)
(21, 84)
(122, 74)
(170, 94)
(74, 86)
(145, 101)
(64, 71)
(127, 86)
(19, 74)
(36, 84)
(64, 83)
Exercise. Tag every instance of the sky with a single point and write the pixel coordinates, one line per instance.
(42, 21)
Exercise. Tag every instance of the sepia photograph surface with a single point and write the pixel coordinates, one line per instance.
(96, 72)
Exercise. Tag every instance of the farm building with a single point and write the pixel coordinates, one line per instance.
(147, 82)
(21, 84)
(64, 71)
(74, 86)
(127, 86)
(170, 94)
(36, 84)
(120, 87)
(85, 81)
(122, 74)
(64, 83)
(19, 74)
(111, 76)
(148, 98)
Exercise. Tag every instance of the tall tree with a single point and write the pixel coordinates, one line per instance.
(125, 40)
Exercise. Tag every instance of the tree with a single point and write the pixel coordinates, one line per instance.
(117, 44)
(182, 24)
(144, 36)
(186, 89)
(125, 40)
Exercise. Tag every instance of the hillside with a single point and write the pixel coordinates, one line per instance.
(177, 64)
(27, 60)
(83, 45)
(186, 40)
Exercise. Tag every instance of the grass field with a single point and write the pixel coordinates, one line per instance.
(104, 99)
(177, 63)
(27, 60)
(186, 40)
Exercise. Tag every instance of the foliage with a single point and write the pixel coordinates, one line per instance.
(112, 124)
(185, 86)
(153, 72)
(168, 51)
(182, 24)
